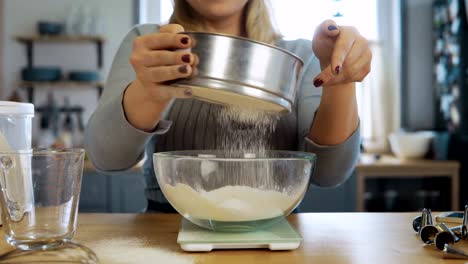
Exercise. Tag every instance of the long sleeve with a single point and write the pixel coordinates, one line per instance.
(334, 163)
(112, 143)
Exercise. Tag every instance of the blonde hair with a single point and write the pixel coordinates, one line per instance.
(258, 23)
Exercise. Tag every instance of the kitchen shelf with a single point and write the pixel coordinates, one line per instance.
(389, 167)
(64, 38)
(60, 84)
(31, 86)
(29, 42)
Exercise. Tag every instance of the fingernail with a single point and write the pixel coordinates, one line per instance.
(186, 58)
(337, 69)
(188, 92)
(184, 40)
(332, 27)
(183, 69)
(318, 82)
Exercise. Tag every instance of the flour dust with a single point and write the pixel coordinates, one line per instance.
(246, 131)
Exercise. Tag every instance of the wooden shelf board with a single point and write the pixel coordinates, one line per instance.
(60, 84)
(61, 38)
(388, 161)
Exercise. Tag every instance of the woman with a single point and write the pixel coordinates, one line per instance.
(137, 111)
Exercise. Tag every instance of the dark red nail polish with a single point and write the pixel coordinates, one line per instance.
(332, 27)
(184, 40)
(186, 58)
(318, 82)
(188, 92)
(183, 69)
(338, 69)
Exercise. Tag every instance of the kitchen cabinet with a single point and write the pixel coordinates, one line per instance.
(391, 184)
(338, 199)
(121, 192)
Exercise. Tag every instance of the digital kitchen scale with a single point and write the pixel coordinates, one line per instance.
(279, 236)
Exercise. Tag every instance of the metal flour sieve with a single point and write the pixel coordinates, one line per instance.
(248, 74)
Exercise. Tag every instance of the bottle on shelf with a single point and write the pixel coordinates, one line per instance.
(53, 112)
(78, 133)
(46, 135)
(66, 132)
(97, 24)
(85, 20)
(48, 126)
(72, 22)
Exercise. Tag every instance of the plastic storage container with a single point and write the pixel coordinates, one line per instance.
(15, 134)
(15, 125)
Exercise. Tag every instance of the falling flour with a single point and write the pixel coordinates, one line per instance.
(229, 203)
(245, 134)
(245, 130)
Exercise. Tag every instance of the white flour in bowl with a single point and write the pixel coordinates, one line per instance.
(246, 134)
(229, 203)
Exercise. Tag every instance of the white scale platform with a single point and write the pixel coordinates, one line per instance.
(279, 236)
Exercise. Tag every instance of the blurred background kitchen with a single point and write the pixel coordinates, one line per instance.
(57, 54)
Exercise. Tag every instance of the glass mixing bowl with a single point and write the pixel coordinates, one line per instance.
(234, 192)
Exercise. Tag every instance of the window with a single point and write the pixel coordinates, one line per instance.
(299, 18)
(294, 18)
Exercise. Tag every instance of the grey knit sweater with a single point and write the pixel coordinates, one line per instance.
(113, 144)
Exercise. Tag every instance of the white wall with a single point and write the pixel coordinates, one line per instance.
(418, 100)
(150, 11)
(20, 17)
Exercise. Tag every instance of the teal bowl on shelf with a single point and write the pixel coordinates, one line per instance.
(41, 74)
(84, 76)
(48, 28)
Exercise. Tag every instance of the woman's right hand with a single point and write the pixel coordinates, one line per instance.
(156, 59)
(155, 62)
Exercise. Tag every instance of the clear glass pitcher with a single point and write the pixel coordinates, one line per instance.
(49, 219)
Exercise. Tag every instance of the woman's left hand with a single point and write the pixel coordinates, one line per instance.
(344, 54)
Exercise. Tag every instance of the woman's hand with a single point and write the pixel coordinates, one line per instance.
(345, 58)
(156, 59)
(344, 54)
(155, 62)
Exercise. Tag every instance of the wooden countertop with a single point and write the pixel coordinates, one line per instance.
(328, 238)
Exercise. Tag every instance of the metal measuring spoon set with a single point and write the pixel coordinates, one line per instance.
(442, 236)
